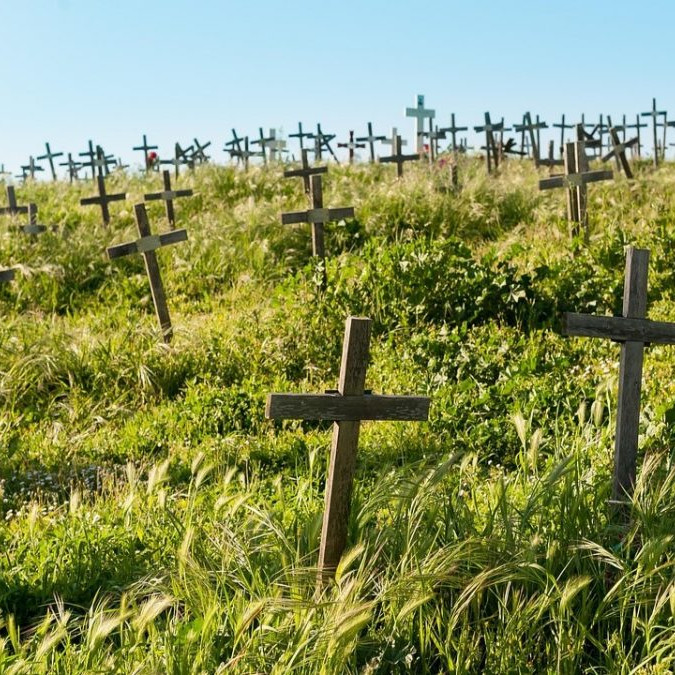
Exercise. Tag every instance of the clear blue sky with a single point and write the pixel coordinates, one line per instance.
(111, 70)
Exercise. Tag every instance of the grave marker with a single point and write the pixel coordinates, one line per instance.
(31, 168)
(301, 135)
(634, 331)
(168, 195)
(49, 156)
(103, 200)
(370, 139)
(73, 167)
(618, 151)
(147, 245)
(346, 407)
(145, 148)
(198, 154)
(420, 113)
(491, 146)
(245, 154)
(562, 126)
(322, 141)
(13, 207)
(351, 145)
(306, 171)
(262, 142)
(452, 130)
(234, 146)
(654, 114)
(32, 228)
(530, 128)
(179, 157)
(398, 157)
(91, 153)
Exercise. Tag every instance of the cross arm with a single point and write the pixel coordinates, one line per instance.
(618, 328)
(302, 172)
(575, 179)
(167, 194)
(317, 215)
(339, 408)
(146, 244)
(86, 201)
(397, 158)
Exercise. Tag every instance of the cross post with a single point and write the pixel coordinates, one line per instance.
(490, 144)
(301, 135)
(452, 130)
(346, 408)
(73, 167)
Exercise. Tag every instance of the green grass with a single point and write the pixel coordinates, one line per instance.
(154, 521)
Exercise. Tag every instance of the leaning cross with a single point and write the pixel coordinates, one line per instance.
(618, 151)
(13, 209)
(147, 245)
(420, 113)
(301, 135)
(398, 157)
(562, 126)
(637, 126)
(633, 330)
(178, 159)
(575, 179)
(262, 142)
(31, 168)
(91, 153)
(49, 156)
(490, 144)
(73, 167)
(346, 407)
(198, 153)
(317, 216)
(103, 199)
(144, 147)
(168, 195)
(370, 139)
(530, 127)
(306, 171)
(351, 145)
(654, 114)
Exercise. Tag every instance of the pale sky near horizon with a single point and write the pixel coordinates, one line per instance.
(110, 71)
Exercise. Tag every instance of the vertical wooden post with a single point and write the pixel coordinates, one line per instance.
(154, 276)
(570, 164)
(170, 213)
(343, 447)
(318, 248)
(582, 190)
(630, 377)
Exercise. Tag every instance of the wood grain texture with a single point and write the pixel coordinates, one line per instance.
(144, 244)
(618, 328)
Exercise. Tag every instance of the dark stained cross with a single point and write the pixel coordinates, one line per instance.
(322, 141)
(32, 228)
(371, 140)
(301, 135)
(398, 157)
(530, 128)
(147, 245)
(198, 154)
(103, 200)
(262, 141)
(234, 146)
(145, 148)
(575, 179)
(351, 145)
(490, 144)
(168, 195)
(31, 168)
(73, 167)
(420, 113)
(453, 129)
(13, 208)
(49, 156)
(655, 114)
(91, 153)
(120, 165)
(551, 160)
(346, 407)
(634, 331)
(306, 171)
(618, 151)
(244, 154)
(179, 157)
(637, 126)
(562, 126)
(317, 216)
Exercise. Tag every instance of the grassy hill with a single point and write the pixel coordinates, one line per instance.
(154, 521)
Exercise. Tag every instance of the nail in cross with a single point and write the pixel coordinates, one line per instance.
(346, 408)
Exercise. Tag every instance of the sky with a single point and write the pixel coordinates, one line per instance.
(112, 70)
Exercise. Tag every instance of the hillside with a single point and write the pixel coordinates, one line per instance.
(155, 521)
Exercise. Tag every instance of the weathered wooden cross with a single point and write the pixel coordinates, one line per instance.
(147, 245)
(392, 139)
(655, 114)
(575, 179)
(244, 154)
(551, 160)
(420, 113)
(49, 156)
(103, 200)
(562, 126)
(490, 144)
(370, 139)
(262, 141)
(346, 407)
(618, 151)
(530, 128)
(32, 227)
(398, 157)
(168, 195)
(13, 207)
(198, 154)
(453, 129)
(234, 146)
(145, 148)
(306, 171)
(31, 168)
(91, 153)
(179, 157)
(351, 145)
(634, 331)
(277, 146)
(73, 167)
(317, 216)
(301, 135)
(322, 141)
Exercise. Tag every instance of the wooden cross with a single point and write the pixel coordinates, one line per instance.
(452, 130)
(398, 157)
(392, 139)
(551, 160)
(73, 167)
(634, 331)
(103, 200)
(618, 151)
(530, 127)
(198, 153)
(654, 114)
(32, 228)
(168, 195)
(13, 208)
(49, 156)
(351, 145)
(276, 146)
(322, 141)
(145, 149)
(301, 135)
(101, 162)
(562, 126)
(420, 113)
(490, 144)
(346, 407)
(575, 179)
(435, 135)
(31, 168)
(119, 165)
(244, 154)
(262, 142)
(370, 139)
(179, 157)
(306, 171)
(317, 216)
(91, 153)
(637, 126)
(147, 245)
(234, 146)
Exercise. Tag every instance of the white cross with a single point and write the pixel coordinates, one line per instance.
(420, 113)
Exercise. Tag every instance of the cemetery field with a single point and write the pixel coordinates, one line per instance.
(153, 520)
